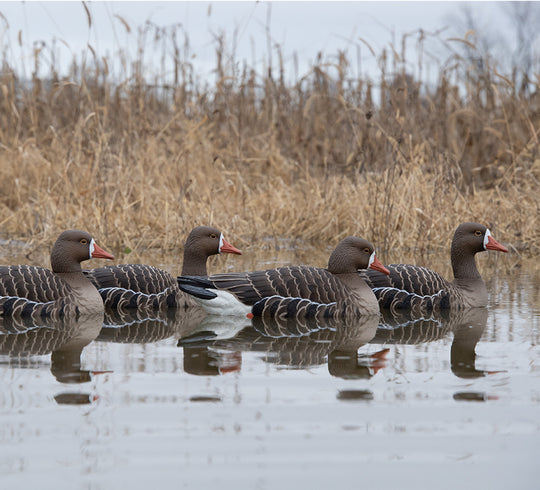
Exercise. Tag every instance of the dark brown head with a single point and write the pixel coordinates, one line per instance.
(469, 239)
(354, 253)
(474, 237)
(71, 248)
(202, 242)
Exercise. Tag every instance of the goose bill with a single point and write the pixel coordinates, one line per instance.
(96, 252)
(375, 264)
(226, 247)
(493, 244)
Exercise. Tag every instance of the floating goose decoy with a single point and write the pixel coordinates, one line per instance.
(63, 293)
(294, 291)
(412, 286)
(147, 288)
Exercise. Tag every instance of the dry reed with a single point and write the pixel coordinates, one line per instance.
(138, 162)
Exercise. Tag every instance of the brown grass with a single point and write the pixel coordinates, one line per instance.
(139, 163)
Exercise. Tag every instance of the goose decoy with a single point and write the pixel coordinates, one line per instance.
(147, 288)
(294, 291)
(412, 286)
(63, 293)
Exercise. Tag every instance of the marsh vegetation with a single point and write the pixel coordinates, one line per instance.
(139, 157)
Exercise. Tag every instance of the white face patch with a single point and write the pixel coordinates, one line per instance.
(91, 248)
(371, 259)
(486, 238)
(220, 242)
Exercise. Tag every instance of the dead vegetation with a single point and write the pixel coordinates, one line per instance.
(139, 162)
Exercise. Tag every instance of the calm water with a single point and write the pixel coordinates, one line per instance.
(187, 401)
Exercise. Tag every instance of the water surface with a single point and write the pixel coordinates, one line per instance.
(182, 401)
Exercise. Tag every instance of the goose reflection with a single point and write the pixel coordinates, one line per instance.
(467, 327)
(140, 327)
(205, 361)
(467, 334)
(193, 324)
(473, 396)
(287, 342)
(20, 339)
(200, 358)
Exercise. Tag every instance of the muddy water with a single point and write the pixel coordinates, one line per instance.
(185, 401)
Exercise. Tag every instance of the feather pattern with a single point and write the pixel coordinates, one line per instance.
(398, 299)
(299, 291)
(412, 278)
(148, 288)
(415, 287)
(137, 286)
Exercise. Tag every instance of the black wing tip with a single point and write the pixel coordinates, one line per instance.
(197, 291)
(196, 286)
(199, 281)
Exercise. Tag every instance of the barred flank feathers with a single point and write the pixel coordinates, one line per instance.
(36, 293)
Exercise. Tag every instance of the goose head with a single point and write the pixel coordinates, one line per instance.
(71, 248)
(469, 239)
(472, 238)
(352, 254)
(202, 242)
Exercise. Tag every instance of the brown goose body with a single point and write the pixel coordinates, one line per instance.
(295, 291)
(63, 293)
(412, 286)
(148, 288)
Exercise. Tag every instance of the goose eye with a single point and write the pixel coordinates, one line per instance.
(478, 233)
(213, 235)
(367, 250)
(84, 241)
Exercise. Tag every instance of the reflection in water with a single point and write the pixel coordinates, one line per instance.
(203, 361)
(132, 326)
(403, 327)
(199, 358)
(285, 342)
(213, 327)
(191, 324)
(214, 345)
(63, 340)
(467, 333)
(302, 344)
(75, 398)
(467, 327)
(348, 364)
(472, 396)
(353, 395)
(200, 398)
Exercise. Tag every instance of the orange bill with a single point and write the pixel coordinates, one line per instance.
(99, 253)
(226, 247)
(493, 244)
(377, 265)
